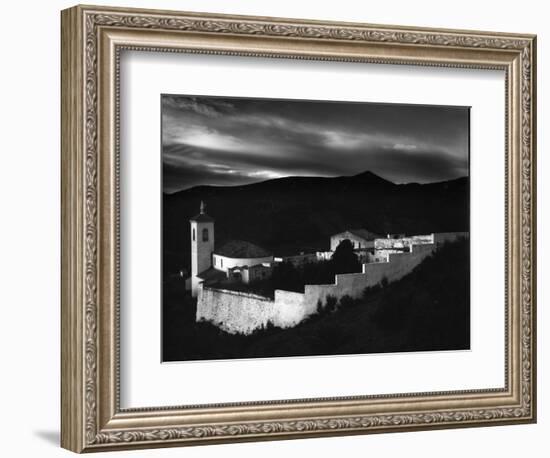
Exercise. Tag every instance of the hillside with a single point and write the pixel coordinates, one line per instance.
(429, 309)
(293, 214)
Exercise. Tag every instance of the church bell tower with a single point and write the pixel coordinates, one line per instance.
(202, 246)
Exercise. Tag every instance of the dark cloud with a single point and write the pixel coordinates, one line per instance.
(432, 166)
(230, 141)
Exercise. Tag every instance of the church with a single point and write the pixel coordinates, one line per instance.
(234, 261)
(238, 310)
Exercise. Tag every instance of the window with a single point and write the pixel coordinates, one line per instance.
(205, 235)
(221, 262)
(193, 234)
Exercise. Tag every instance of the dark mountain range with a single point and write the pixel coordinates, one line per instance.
(293, 214)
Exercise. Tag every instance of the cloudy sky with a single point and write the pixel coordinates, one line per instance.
(231, 141)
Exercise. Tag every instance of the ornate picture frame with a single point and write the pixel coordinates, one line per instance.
(92, 41)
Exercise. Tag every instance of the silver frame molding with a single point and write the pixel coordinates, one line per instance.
(92, 39)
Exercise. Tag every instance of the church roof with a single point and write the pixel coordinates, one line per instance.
(202, 218)
(240, 249)
(211, 274)
(362, 233)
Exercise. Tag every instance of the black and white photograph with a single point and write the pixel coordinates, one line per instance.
(313, 228)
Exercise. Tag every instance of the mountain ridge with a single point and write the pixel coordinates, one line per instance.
(367, 174)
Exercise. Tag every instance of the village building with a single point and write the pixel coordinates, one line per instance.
(397, 243)
(298, 260)
(359, 238)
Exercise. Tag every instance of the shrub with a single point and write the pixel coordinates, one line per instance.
(347, 301)
(330, 304)
(319, 306)
(370, 290)
(344, 260)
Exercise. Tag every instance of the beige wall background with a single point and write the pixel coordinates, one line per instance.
(29, 233)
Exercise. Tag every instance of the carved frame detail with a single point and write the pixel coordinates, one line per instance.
(82, 225)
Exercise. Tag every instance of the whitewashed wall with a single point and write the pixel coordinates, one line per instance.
(243, 313)
(239, 312)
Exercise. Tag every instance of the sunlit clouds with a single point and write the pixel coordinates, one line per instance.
(233, 141)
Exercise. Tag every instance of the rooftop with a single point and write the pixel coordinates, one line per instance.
(211, 274)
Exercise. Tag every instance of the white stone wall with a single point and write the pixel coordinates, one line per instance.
(289, 308)
(399, 265)
(403, 242)
(238, 312)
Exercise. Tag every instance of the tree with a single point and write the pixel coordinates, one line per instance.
(331, 302)
(286, 276)
(344, 260)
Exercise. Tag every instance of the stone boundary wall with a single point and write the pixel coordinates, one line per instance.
(240, 312)
(399, 265)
